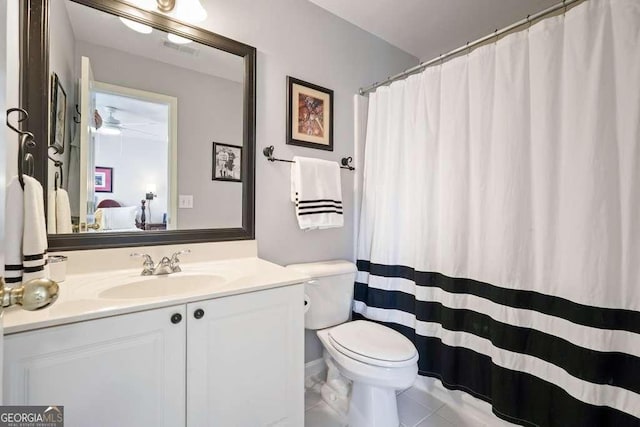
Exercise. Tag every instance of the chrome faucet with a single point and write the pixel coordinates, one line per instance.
(165, 266)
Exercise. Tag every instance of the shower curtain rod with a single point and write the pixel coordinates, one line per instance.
(469, 45)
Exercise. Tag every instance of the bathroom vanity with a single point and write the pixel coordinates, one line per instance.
(219, 344)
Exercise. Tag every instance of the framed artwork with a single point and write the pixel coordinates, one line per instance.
(309, 115)
(227, 162)
(58, 113)
(103, 180)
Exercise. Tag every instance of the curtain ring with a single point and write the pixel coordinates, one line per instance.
(495, 34)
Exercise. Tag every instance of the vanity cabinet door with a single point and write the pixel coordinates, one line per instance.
(245, 360)
(118, 371)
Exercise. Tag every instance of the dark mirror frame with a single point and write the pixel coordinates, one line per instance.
(35, 81)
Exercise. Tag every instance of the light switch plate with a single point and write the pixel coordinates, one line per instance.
(185, 201)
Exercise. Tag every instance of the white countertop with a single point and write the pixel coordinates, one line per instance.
(90, 296)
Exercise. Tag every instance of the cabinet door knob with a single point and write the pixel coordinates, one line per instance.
(176, 318)
(198, 314)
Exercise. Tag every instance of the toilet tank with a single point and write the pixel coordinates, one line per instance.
(329, 293)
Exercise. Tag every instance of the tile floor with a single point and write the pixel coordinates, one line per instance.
(416, 409)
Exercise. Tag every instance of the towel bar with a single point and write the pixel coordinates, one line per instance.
(268, 153)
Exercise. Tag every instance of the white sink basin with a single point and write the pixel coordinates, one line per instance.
(158, 286)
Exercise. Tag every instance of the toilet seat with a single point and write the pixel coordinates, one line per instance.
(373, 344)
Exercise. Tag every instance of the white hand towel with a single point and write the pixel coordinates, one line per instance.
(34, 236)
(317, 193)
(14, 221)
(63, 212)
(51, 213)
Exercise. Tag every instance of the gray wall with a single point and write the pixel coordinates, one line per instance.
(209, 109)
(297, 38)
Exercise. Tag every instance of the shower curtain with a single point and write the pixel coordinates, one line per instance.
(500, 226)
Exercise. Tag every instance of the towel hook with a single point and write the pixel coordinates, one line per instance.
(57, 148)
(59, 175)
(24, 116)
(25, 160)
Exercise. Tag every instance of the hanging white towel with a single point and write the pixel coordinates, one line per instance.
(317, 193)
(34, 235)
(14, 221)
(63, 212)
(52, 227)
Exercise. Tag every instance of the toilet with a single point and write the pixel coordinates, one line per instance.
(367, 362)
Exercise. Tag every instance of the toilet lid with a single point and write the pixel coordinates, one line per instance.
(373, 343)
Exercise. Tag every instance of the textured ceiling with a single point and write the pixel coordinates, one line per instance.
(428, 28)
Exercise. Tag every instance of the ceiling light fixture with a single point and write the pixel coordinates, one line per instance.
(136, 26)
(166, 5)
(185, 10)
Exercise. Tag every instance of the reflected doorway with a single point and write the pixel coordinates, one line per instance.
(134, 138)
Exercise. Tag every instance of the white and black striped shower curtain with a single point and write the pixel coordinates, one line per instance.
(500, 226)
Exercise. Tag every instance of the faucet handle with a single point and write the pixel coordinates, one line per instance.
(175, 261)
(174, 257)
(147, 257)
(148, 262)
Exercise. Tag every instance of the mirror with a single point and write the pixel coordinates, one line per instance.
(151, 129)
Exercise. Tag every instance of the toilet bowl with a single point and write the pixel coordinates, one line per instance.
(376, 359)
(379, 361)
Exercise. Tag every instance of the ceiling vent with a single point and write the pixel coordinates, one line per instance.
(187, 50)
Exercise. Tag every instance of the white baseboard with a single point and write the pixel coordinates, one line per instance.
(460, 401)
(315, 367)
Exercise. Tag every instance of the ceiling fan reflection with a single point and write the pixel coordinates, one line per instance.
(114, 126)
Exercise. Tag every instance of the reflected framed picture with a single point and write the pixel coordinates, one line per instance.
(227, 162)
(58, 113)
(309, 115)
(103, 180)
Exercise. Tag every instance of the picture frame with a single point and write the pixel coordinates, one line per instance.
(309, 115)
(58, 114)
(226, 162)
(103, 179)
